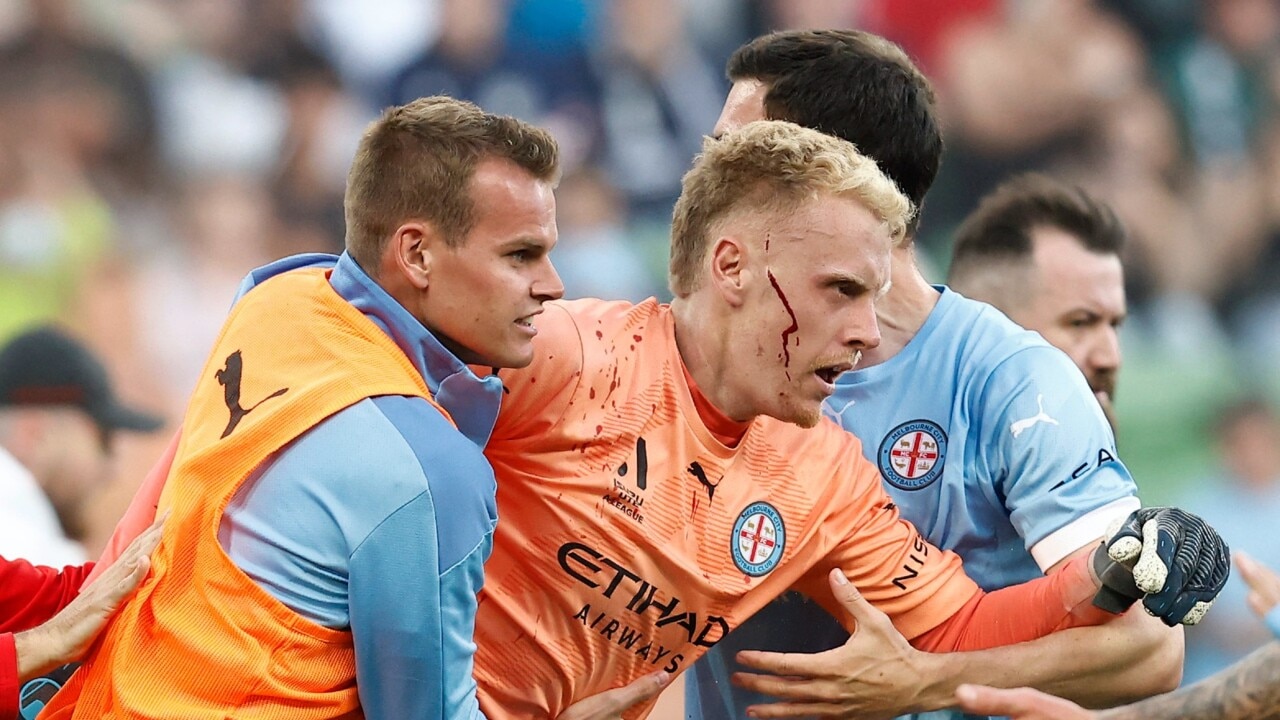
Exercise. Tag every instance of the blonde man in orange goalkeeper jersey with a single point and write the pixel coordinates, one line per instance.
(663, 471)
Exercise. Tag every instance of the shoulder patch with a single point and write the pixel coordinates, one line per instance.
(912, 455)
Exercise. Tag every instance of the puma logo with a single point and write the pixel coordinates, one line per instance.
(1020, 426)
(696, 470)
(229, 378)
(834, 414)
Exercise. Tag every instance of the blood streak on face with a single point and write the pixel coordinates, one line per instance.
(794, 326)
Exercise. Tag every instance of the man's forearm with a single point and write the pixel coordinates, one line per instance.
(37, 651)
(1019, 613)
(989, 640)
(1131, 658)
(1248, 690)
(1134, 657)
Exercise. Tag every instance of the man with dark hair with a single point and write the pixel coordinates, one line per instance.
(1047, 255)
(986, 437)
(881, 97)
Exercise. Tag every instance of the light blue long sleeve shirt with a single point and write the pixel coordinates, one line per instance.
(379, 519)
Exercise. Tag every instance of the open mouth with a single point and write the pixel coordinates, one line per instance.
(829, 373)
(527, 321)
(527, 328)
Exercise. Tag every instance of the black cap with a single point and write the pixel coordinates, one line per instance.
(45, 366)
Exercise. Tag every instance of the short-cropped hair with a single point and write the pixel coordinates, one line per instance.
(999, 231)
(854, 85)
(772, 166)
(416, 163)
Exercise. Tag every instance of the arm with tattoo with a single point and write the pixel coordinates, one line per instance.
(1249, 690)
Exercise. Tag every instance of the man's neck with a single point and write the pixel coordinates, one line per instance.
(700, 340)
(903, 310)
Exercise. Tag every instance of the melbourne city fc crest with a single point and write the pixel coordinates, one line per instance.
(758, 539)
(912, 454)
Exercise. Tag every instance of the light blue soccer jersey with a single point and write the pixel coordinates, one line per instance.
(990, 442)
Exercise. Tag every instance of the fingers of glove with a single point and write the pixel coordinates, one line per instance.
(1197, 612)
(1159, 545)
(1210, 575)
(1115, 528)
(1189, 609)
(1125, 549)
(1202, 554)
(1196, 550)
(1126, 541)
(1163, 604)
(1174, 610)
(1214, 566)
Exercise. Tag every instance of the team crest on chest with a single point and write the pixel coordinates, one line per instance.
(913, 454)
(758, 539)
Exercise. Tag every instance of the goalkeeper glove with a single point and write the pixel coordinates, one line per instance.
(1169, 559)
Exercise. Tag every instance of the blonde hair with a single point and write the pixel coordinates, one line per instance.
(416, 162)
(772, 166)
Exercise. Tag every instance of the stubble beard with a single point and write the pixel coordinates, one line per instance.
(800, 413)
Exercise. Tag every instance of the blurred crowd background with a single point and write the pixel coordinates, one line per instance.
(153, 151)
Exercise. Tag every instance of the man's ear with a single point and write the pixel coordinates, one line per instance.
(409, 252)
(729, 272)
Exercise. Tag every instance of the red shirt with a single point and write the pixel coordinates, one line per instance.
(29, 595)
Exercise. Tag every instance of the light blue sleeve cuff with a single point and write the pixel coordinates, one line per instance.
(1272, 620)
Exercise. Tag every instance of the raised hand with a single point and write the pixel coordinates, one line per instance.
(1264, 590)
(876, 674)
(610, 705)
(1170, 559)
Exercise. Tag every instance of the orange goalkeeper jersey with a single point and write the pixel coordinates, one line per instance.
(630, 539)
